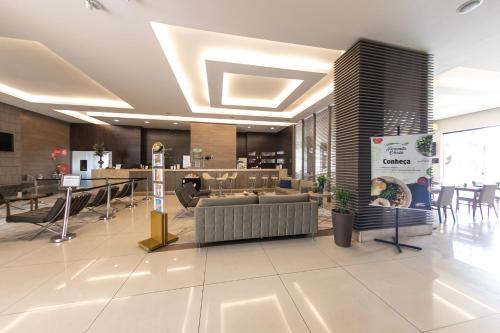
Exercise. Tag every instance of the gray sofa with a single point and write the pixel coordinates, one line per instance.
(233, 218)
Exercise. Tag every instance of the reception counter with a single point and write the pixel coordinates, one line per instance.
(173, 178)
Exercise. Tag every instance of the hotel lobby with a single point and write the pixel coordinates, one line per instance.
(284, 166)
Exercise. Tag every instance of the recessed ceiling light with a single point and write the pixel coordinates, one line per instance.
(272, 128)
(146, 122)
(469, 6)
(176, 123)
(116, 120)
(249, 127)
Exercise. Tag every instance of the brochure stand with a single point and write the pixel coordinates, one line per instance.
(159, 219)
(395, 239)
(68, 181)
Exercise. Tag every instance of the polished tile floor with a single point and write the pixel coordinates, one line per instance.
(102, 282)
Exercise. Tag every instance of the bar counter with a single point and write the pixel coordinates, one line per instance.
(173, 178)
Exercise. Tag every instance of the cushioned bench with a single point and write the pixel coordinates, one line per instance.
(224, 219)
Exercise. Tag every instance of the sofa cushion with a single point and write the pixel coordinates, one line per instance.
(233, 201)
(285, 183)
(272, 199)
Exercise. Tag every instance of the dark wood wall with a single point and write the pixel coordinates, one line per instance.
(123, 141)
(131, 145)
(35, 136)
(259, 142)
(378, 87)
(176, 141)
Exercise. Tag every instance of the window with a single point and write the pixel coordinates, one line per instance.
(471, 155)
(322, 151)
(298, 151)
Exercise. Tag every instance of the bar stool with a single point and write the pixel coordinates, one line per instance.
(274, 181)
(220, 182)
(252, 180)
(206, 177)
(265, 179)
(232, 180)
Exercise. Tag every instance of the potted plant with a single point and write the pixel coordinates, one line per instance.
(342, 218)
(99, 151)
(321, 183)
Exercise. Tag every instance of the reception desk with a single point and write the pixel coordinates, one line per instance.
(173, 178)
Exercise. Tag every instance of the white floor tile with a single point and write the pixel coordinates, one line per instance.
(166, 270)
(330, 300)
(89, 281)
(75, 317)
(422, 299)
(76, 249)
(168, 311)
(238, 261)
(17, 282)
(256, 305)
(483, 325)
(295, 255)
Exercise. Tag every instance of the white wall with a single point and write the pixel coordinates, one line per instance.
(468, 121)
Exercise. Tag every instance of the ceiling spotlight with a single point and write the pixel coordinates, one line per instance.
(93, 4)
(176, 123)
(249, 127)
(272, 128)
(116, 120)
(469, 6)
(146, 122)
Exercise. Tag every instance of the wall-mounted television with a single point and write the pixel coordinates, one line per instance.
(6, 141)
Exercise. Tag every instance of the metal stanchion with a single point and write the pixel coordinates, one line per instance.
(132, 204)
(109, 213)
(147, 191)
(65, 235)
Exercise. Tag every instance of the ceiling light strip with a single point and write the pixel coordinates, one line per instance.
(187, 119)
(81, 116)
(45, 99)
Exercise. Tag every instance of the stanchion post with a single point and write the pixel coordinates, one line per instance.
(132, 204)
(65, 235)
(108, 215)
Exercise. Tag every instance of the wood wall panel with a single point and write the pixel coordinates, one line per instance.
(35, 136)
(177, 141)
(40, 135)
(378, 87)
(123, 141)
(216, 140)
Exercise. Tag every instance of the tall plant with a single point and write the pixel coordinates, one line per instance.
(99, 149)
(322, 179)
(342, 199)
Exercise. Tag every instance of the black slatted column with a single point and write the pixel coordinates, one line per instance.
(378, 87)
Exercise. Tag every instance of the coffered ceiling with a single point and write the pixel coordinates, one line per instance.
(265, 62)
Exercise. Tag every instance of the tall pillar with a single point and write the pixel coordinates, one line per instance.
(378, 87)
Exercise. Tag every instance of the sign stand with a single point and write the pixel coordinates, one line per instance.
(159, 219)
(68, 181)
(395, 238)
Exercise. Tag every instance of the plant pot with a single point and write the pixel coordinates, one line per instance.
(342, 228)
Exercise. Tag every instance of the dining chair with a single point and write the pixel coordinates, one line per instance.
(444, 201)
(487, 198)
(465, 200)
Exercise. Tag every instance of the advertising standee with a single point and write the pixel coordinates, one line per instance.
(401, 176)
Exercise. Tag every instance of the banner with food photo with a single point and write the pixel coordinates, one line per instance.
(401, 171)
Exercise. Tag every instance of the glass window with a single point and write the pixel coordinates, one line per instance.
(322, 152)
(471, 155)
(298, 151)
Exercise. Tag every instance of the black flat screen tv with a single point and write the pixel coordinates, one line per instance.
(6, 141)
